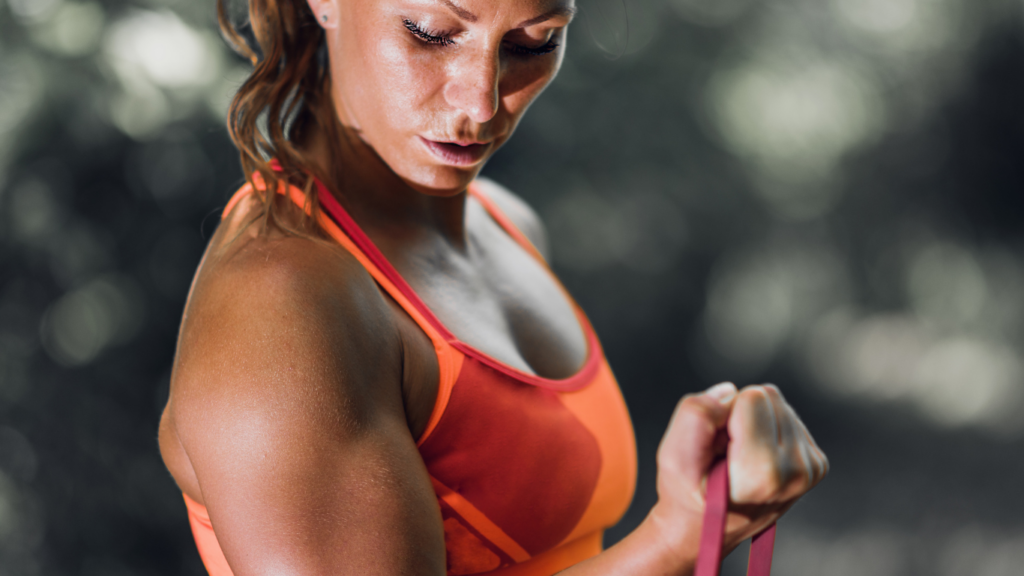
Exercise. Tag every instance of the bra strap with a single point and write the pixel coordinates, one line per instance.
(503, 220)
(449, 358)
(709, 556)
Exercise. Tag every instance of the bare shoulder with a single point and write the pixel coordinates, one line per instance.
(521, 213)
(258, 291)
(283, 333)
(286, 417)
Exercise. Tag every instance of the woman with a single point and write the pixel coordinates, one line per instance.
(376, 371)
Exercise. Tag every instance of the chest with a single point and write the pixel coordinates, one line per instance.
(529, 445)
(499, 299)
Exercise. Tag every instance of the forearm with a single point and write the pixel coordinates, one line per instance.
(658, 547)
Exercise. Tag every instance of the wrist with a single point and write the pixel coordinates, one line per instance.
(677, 534)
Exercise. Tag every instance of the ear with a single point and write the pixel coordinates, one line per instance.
(325, 12)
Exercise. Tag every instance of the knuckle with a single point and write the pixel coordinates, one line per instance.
(757, 393)
(689, 400)
(772, 391)
(751, 389)
(760, 480)
(696, 405)
(747, 399)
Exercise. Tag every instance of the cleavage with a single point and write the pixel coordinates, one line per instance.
(498, 299)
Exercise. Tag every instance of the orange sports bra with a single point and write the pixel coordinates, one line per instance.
(528, 471)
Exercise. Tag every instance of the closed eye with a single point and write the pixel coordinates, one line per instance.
(436, 38)
(551, 46)
(445, 39)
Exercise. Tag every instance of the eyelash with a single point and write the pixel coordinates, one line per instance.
(438, 38)
(442, 39)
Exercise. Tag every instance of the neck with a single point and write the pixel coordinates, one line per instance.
(387, 208)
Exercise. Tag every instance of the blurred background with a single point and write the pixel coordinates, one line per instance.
(823, 194)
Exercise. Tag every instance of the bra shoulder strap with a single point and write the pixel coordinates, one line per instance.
(449, 359)
(495, 211)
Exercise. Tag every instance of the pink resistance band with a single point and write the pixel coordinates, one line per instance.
(709, 557)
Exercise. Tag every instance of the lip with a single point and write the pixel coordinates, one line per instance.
(457, 153)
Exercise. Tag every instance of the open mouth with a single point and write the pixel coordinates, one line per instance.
(456, 154)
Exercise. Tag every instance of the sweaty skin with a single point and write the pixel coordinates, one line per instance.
(298, 386)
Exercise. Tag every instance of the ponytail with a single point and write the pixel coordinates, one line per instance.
(286, 95)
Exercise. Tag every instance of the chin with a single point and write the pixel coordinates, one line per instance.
(440, 180)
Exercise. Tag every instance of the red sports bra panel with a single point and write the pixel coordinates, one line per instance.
(531, 466)
(522, 470)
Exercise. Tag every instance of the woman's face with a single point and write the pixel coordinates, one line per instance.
(437, 86)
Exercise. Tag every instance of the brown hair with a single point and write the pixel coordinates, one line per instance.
(286, 95)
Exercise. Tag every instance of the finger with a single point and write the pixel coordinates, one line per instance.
(811, 451)
(820, 458)
(723, 392)
(688, 447)
(785, 433)
(821, 462)
(809, 462)
(820, 466)
(812, 454)
(797, 464)
(754, 466)
(747, 520)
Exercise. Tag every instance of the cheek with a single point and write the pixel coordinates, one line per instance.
(524, 81)
(409, 81)
(383, 81)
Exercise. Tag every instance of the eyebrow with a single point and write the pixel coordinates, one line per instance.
(468, 16)
(564, 11)
(460, 11)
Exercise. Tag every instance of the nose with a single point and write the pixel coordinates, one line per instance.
(473, 88)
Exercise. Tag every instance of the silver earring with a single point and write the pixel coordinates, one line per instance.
(323, 18)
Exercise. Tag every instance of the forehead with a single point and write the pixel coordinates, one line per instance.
(527, 11)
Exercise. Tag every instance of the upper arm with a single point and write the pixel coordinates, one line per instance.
(521, 214)
(287, 400)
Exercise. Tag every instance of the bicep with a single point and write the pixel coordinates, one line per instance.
(290, 498)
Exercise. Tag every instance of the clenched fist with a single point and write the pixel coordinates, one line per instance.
(772, 459)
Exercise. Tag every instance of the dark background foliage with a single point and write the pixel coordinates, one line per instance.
(825, 195)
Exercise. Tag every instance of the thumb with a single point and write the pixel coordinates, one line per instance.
(693, 438)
